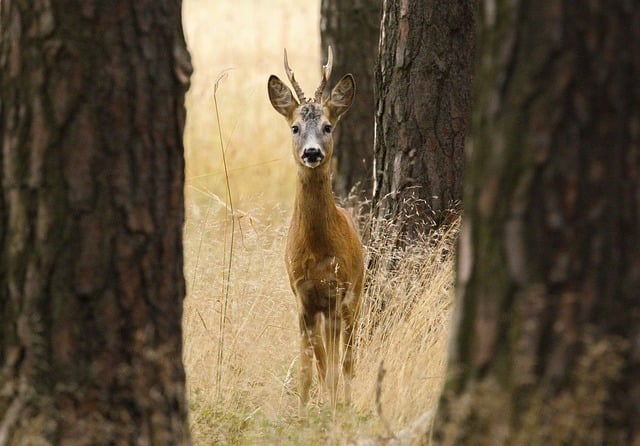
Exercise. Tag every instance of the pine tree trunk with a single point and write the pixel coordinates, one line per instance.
(352, 29)
(547, 346)
(91, 219)
(423, 100)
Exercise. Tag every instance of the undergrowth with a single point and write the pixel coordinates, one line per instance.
(403, 328)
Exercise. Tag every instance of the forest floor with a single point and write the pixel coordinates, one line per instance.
(240, 320)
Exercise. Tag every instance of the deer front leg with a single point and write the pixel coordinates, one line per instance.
(332, 338)
(310, 343)
(306, 360)
(318, 347)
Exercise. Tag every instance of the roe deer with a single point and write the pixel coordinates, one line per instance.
(324, 255)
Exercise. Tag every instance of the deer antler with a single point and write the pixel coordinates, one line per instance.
(326, 72)
(292, 79)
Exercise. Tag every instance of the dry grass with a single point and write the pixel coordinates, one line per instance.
(248, 397)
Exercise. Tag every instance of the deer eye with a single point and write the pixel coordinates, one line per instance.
(327, 128)
(295, 129)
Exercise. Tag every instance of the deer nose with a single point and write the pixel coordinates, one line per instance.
(312, 155)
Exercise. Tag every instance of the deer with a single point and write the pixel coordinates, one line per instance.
(323, 253)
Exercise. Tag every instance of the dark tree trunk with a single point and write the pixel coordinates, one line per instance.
(353, 30)
(548, 341)
(91, 218)
(423, 95)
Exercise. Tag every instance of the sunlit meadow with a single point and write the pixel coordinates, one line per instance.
(240, 323)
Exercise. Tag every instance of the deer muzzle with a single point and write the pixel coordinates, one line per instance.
(312, 156)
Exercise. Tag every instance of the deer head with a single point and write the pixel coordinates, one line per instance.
(311, 120)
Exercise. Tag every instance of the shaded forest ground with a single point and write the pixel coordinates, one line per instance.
(240, 322)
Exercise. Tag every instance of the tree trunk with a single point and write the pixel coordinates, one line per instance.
(547, 347)
(91, 219)
(352, 29)
(423, 100)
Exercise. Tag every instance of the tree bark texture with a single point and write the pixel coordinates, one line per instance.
(91, 222)
(547, 349)
(352, 29)
(423, 103)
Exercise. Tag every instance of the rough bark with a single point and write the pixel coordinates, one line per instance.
(352, 29)
(92, 209)
(423, 100)
(547, 348)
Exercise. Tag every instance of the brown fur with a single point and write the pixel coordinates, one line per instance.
(324, 255)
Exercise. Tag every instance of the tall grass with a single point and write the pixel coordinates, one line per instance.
(403, 325)
(243, 390)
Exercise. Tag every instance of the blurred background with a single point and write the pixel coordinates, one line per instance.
(240, 43)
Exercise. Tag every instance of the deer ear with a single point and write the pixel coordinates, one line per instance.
(341, 97)
(281, 97)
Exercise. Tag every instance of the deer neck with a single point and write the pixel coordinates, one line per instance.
(314, 208)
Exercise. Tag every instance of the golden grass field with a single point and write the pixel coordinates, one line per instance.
(241, 368)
